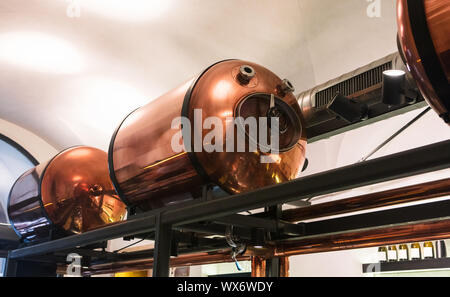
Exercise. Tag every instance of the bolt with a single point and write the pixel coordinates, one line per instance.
(287, 87)
(246, 73)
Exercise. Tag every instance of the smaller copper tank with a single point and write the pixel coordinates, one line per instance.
(70, 194)
(424, 41)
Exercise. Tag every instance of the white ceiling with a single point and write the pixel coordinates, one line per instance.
(117, 57)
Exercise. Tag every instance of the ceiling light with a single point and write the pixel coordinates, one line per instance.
(394, 83)
(101, 102)
(394, 73)
(39, 52)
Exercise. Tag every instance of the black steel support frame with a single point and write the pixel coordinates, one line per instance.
(163, 249)
(223, 210)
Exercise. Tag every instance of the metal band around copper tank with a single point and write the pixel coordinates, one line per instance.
(112, 174)
(185, 113)
(29, 157)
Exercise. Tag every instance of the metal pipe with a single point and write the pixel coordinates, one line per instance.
(284, 267)
(145, 264)
(258, 266)
(407, 194)
(432, 230)
(409, 124)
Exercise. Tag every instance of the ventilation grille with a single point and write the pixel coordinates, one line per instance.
(353, 85)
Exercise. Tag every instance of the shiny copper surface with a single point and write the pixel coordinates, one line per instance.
(438, 20)
(284, 266)
(413, 193)
(72, 192)
(434, 230)
(438, 17)
(258, 267)
(151, 174)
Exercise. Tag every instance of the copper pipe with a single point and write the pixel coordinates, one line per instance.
(354, 240)
(434, 230)
(184, 260)
(284, 267)
(258, 266)
(418, 192)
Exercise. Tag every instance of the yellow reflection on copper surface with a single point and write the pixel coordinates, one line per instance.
(76, 193)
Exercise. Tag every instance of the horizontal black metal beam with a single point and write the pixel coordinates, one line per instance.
(396, 216)
(215, 229)
(270, 225)
(8, 238)
(140, 224)
(417, 161)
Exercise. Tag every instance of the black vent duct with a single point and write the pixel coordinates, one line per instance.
(363, 88)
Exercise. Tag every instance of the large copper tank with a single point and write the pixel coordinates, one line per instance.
(424, 35)
(148, 173)
(70, 194)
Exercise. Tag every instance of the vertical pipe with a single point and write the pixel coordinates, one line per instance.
(284, 266)
(258, 266)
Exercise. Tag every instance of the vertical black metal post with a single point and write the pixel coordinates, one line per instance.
(10, 267)
(273, 267)
(161, 258)
(273, 264)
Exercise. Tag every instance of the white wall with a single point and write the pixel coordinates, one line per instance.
(34, 144)
(342, 39)
(332, 264)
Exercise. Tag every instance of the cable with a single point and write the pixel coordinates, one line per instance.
(396, 134)
(386, 142)
(130, 245)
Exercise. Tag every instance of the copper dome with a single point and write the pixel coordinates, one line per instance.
(70, 194)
